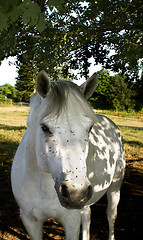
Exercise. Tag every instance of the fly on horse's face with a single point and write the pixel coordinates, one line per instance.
(62, 147)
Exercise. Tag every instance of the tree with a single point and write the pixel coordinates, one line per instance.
(10, 92)
(74, 31)
(6, 90)
(94, 27)
(138, 86)
(122, 94)
(25, 83)
(28, 10)
(114, 92)
(101, 97)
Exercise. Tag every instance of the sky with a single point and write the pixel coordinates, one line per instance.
(8, 73)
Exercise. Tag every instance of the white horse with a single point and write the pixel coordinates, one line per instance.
(67, 160)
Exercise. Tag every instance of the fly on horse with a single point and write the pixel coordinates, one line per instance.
(67, 160)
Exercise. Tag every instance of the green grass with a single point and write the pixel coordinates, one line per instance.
(13, 125)
(12, 128)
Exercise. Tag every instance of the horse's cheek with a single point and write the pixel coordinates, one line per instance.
(41, 155)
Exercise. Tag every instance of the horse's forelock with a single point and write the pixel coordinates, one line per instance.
(57, 98)
(60, 92)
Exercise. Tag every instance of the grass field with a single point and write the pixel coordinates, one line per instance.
(13, 125)
(129, 226)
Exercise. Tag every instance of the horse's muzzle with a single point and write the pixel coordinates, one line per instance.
(74, 196)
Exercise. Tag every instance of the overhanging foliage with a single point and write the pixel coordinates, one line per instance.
(55, 32)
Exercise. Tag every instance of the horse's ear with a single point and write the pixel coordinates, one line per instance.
(42, 84)
(89, 86)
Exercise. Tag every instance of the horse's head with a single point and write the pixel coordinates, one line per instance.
(64, 122)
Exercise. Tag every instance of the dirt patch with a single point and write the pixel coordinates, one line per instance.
(128, 225)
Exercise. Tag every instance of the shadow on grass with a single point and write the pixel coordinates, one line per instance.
(6, 127)
(133, 143)
(8, 208)
(130, 127)
(128, 225)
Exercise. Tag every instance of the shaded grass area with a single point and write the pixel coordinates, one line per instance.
(5, 127)
(128, 225)
(129, 222)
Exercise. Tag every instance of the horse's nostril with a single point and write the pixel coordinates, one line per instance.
(64, 191)
(74, 196)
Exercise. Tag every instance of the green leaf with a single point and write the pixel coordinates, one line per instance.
(41, 23)
(30, 12)
(34, 11)
(3, 22)
(14, 14)
(55, 3)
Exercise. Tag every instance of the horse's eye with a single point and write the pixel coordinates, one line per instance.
(46, 129)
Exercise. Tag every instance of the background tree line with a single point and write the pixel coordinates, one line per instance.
(66, 34)
(112, 92)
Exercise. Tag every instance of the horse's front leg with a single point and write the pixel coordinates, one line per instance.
(34, 227)
(85, 220)
(71, 223)
(113, 195)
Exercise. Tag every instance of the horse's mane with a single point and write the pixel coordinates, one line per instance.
(57, 98)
